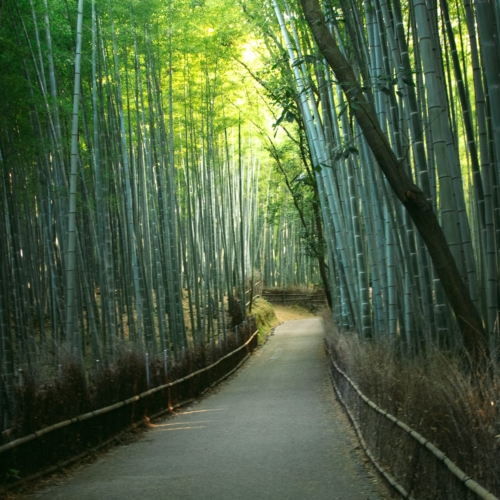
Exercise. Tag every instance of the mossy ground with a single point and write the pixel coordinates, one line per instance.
(265, 318)
(269, 316)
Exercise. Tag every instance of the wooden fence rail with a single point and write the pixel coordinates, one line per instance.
(304, 299)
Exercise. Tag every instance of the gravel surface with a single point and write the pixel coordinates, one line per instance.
(273, 431)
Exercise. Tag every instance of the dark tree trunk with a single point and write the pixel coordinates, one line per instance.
(410, 195)
(321, 240)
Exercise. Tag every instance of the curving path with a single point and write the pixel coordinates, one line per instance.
(272, 432)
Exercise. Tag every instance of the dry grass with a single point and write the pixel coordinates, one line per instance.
(290, 313)
(265, 318)
(457, 412)
(41, 403)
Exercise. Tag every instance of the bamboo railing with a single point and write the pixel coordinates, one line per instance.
(286, 297)
(470, 484)
(10, 457)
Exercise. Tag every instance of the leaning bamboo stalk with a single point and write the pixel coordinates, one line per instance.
(407, 192)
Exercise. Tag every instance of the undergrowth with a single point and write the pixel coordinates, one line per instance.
(433, 395)
(42, 402)
(265, 317)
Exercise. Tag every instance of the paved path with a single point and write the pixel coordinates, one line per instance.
(272, 432)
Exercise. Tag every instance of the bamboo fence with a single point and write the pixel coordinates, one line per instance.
(457, 483)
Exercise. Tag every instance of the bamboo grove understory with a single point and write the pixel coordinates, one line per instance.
(429, 70)
(159, 159)
(132, 216)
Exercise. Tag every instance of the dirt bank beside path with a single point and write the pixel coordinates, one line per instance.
(290, 313)
(272, 432)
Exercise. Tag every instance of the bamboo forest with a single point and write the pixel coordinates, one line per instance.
(161, 162)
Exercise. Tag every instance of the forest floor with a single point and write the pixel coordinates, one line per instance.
(287, 313)
(272, 431)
